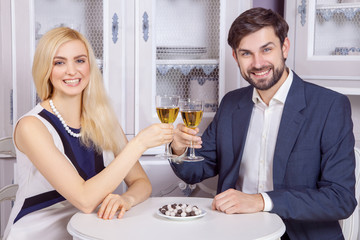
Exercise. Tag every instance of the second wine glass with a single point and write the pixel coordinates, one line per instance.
(167, 109)
(191, 113)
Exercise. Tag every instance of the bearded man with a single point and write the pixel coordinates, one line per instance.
(281, 144)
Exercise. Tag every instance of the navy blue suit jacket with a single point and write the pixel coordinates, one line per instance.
(314, 162)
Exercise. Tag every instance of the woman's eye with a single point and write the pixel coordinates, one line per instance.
(58, 63)
(80, 60)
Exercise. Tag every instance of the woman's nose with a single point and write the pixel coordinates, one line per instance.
(70, 69)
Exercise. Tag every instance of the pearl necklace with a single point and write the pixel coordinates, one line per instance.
(62, 120)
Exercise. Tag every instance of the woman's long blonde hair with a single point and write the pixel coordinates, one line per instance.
(99, 125)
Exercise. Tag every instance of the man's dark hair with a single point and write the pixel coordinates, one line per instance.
(253, 20)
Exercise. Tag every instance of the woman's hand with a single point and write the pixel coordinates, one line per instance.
(112, 203)
(155, 135)
(183, 137)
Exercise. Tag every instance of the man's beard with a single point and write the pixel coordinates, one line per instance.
(265, 85)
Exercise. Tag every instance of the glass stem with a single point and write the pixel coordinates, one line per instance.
(167, 149)
(192, 150)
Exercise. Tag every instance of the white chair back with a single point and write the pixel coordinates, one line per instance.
(7, 193)
(350, 226)
(7, 147)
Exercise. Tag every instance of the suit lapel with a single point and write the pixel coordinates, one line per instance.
(240, 124)
(291, 123)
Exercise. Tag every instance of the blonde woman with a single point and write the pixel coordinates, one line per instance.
(67, 143)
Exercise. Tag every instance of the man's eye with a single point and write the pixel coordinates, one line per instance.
(267, 49)
(245, 54)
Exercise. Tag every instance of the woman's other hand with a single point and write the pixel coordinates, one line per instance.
(111, 204)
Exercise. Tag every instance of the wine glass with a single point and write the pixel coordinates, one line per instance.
(191, 113)
(167, 109)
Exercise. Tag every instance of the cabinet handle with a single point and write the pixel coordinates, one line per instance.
(302, 11)
(145, 26)
(115, 28)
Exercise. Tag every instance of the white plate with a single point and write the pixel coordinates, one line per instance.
(203, 213)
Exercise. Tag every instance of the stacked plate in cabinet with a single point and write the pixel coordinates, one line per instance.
(180, 52)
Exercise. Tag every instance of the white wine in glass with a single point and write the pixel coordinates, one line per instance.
(167, 114)
(191, 113)
(167, 109)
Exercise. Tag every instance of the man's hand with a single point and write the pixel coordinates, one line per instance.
(183, 137)
(233, 201)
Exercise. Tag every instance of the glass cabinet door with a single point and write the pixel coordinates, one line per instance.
(83, 16)
(181, 50)
(100, 21)
(327, 43)
(337, 28)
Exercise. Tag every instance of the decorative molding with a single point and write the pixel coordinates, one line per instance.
(145, 26)
(185, 68)
(115, 28)
(328, 13)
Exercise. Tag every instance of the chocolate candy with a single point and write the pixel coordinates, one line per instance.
(180, 210)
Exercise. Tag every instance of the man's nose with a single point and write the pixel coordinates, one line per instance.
(258, 60)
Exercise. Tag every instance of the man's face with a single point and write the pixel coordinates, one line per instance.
(261, 58)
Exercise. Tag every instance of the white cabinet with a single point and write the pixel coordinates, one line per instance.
(181, 49)
(325, 47)
(144, 47)
(325, 39)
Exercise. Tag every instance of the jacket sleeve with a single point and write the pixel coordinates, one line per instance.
(195, 172)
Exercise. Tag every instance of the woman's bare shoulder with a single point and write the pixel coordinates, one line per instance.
(29, 129)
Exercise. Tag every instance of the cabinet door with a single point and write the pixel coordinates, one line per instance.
(119, 59)
(102, 23)
(181, 49)
(326, 41)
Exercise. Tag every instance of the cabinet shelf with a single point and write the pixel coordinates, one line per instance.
(328, 10)
(185, 66)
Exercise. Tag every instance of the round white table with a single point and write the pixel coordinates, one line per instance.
(143, 222)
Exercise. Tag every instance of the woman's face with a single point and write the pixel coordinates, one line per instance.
(71, 69)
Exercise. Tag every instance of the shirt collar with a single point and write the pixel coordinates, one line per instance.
(281, 93)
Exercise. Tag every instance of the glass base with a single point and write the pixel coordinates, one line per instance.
(166, 156)
(190, 159)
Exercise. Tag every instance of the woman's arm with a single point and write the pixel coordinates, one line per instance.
(33, 139)
(139, 189)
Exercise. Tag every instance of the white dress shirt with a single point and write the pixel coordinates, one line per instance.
(256, 169)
